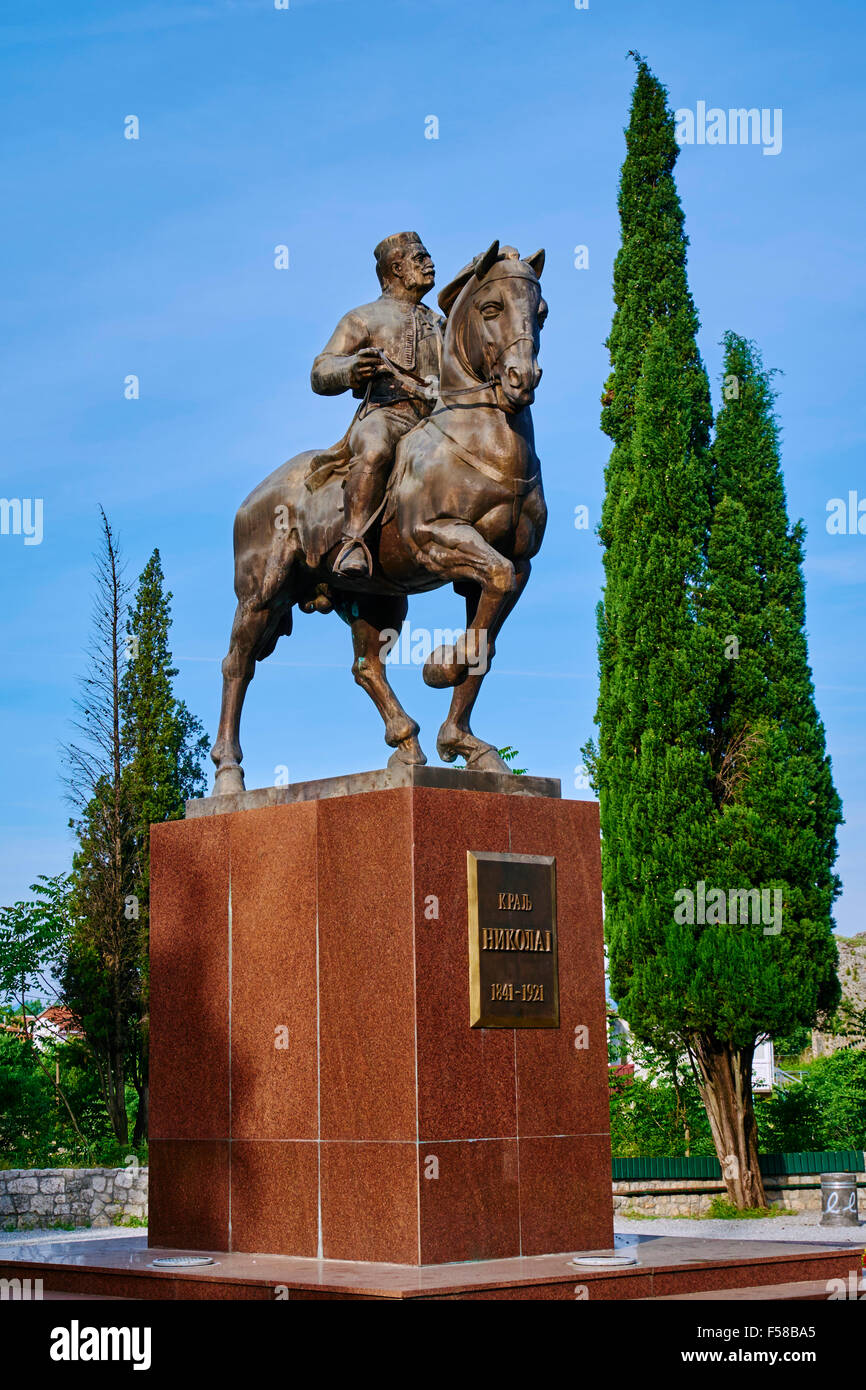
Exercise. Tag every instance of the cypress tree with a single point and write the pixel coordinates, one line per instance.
(100, 969)
(694, 745)
(775, 809)
(163, 746)
(650, 766)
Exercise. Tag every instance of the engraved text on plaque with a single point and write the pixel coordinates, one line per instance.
(513, 981)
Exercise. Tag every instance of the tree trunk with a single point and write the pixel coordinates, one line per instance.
(139, 1134)
(724, 1077)
(117, 1099)
(142, 1081)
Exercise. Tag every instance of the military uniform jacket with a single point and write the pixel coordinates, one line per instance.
(410, 334)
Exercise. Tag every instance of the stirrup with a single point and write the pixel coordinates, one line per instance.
(346, 549)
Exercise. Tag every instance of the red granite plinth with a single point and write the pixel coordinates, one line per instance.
(316, 1089)
(667, 1268)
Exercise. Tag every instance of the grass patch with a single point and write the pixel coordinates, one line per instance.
(723, 1210)
(120, 1220)
(639, 1215)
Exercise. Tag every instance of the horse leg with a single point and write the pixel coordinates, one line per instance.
(251, 631)
(370, 617)
(455, 550)
(456, 734)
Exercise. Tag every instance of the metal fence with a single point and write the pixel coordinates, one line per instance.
(707, 1166)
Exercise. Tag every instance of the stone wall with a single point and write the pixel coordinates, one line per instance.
(41, 1197)
(692, 1196)
(44, 1197)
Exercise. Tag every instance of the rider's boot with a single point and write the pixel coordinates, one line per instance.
(361, 500)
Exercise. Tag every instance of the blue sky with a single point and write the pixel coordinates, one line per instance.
(305, 127)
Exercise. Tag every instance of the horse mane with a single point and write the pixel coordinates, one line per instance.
(453, 298)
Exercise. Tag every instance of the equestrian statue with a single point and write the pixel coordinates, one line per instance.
(435, 482)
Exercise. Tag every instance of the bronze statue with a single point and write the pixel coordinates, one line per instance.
(368, 344)
(464, 503)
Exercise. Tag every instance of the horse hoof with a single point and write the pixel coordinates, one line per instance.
(480, 758)
(488, 761)
(444, 668)
(411, 756)
(228, 780)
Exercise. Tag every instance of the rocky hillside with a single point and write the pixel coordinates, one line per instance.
(850, 1021)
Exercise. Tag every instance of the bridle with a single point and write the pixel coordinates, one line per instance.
(518, 487)
(491, 382)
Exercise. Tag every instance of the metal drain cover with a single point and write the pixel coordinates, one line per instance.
(181, 1261)
(605, 1261)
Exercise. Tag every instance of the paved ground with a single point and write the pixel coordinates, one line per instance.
(803, 1226)
(44, 1236)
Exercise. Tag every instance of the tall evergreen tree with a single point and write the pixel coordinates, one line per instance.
(775, 810)
(650, 764)
(100, 975)
(137, 758)
(163, 746)
(682, 731)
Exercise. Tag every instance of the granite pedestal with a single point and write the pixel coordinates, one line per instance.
(316, 1089)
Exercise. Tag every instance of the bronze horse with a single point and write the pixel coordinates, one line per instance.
(464, 506)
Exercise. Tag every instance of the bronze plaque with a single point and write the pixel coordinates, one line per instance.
(513, 979)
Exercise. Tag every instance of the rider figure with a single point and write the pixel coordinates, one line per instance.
(398, 331)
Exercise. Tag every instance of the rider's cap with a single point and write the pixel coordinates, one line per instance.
(400, 241)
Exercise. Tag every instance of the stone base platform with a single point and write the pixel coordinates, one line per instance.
(317, 1088)
(381, 779)
(667, 1266)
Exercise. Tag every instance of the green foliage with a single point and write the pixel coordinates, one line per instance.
(32, 938)
(138, 759)
(651, 765)
(710, 764)
(649, 275)
(659, 1112)
(153, 765)
(163, 744)
(775, 807)
(827, 1110)
(508, 754)
(36, 1130)
(651, 1118)
(790, 1046)
(26, 1102)
(721, 1209)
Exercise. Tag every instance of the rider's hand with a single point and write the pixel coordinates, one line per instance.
(364, 365)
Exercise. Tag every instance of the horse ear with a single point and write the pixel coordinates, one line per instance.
(448, 295)
(536, 260)
(485, 261)
(479, 266)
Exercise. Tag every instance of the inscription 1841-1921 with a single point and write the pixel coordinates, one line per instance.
(513, 981)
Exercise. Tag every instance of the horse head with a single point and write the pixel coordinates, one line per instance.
(495, 312)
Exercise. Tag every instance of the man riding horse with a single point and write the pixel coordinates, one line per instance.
(388, 354)
(465, 503)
